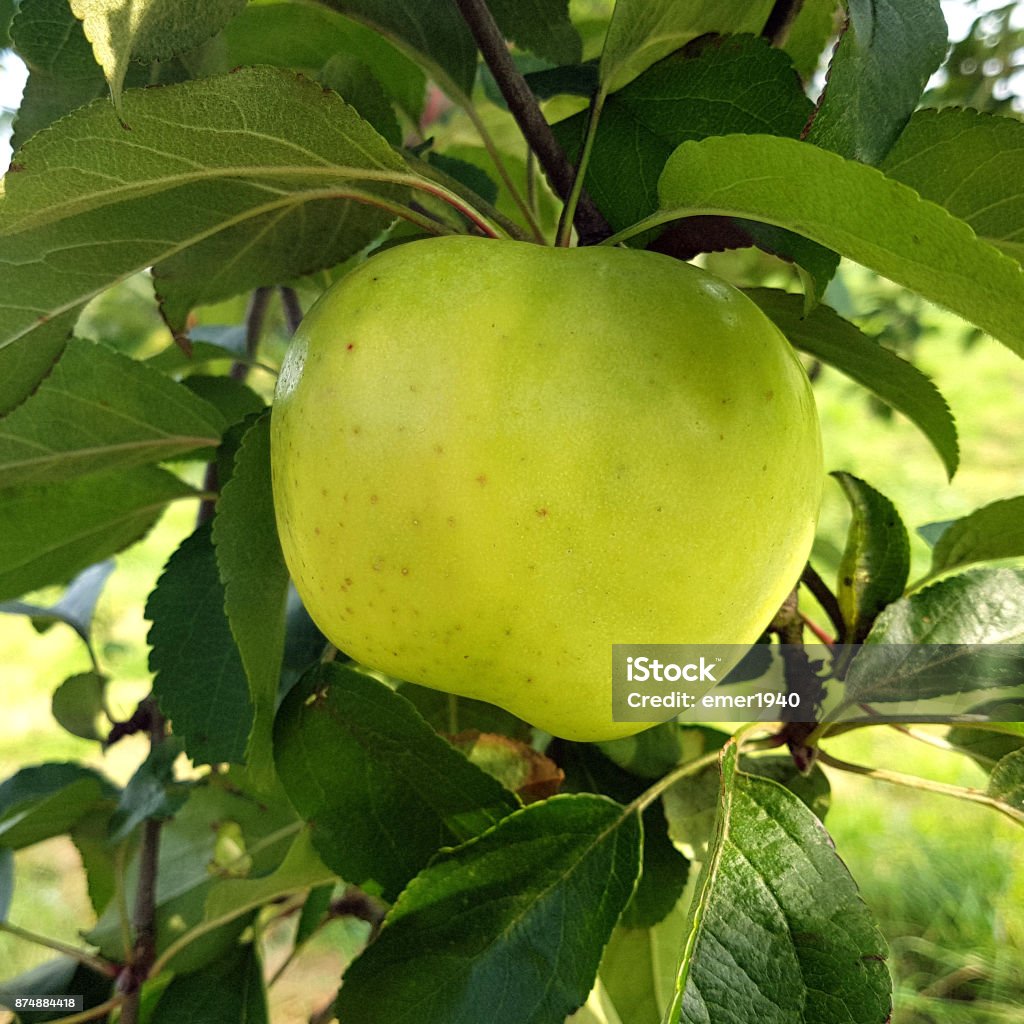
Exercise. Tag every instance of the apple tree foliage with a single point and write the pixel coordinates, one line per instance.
(217, 164)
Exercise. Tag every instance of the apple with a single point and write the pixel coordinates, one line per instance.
(492, 460)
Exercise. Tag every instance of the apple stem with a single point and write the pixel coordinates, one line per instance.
(572, 201)
(523, 105)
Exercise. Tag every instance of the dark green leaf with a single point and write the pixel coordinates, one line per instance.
(78, 705)
(46, 800)
(777, 930)
(49, 532)
(665, 869)
(931, 532)
(450, 714)
(232, 399)
(227, 991)
(572, 80)
(876, 562)
(25, 361)
(732, 85)
(970, 163)
(877, 74)
(76, 605)
(314, 913)
(199, 679)
(99, 410)
(382, 791)
(7, 9)
(655, 752)
(434, 34)
(541, 26)
(148, 30)
(956, 636)
(992, 532)
(877, 222)
(151, 792)
(507, 928)
(825, 335)
(356, 83)
(236, 180)
(221, 832)
(255, 582)
(468, 174)
(1007, 780)
(306, 36)
(62, 976)
(643, 31)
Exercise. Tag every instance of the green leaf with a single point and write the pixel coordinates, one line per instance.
(639, 966)
(381, 790)
(986, 746)
(199, 678)
(777, 930)
(825, 335)
(76, 606)
(433, 34)
(50, 532)
(991, 532)
(255, 582)
(62, 72)
(151, 792)
(46, 800)
(190, 867)
(655, 752)
(876, 561)
(541, 26)
(815, 24)
(306, 36)
(736, 84)
(99, 410)
(877, 74)
(7, 11)
(643, 31)
(91, 835)
(222, 183)
(507, 928)
(78, 707)
(958, 635)
(665, 869)
(301, 869)
(1007, 780)
(447, 713)
(858, 212)
(970, 163)
(356, 83)
(229, 990)
(25, 361)
(148, 30)
(232, 399)
(691, 806)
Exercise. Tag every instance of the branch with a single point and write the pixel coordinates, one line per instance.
(916, 782)
(143, 953)
(96, 963)
(780, 21)
(292, 308)
(589, 221)
(824, 596)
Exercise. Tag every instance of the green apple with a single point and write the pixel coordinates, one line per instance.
(492, 460)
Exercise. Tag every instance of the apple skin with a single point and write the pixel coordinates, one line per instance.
(492, 460)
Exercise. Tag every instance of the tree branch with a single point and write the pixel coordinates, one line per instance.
(780, 21)
(589, 221)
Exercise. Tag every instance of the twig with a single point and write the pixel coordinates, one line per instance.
(522, 103)
(780, 21)
(824, 596)
(98, 964)
(916, 782)
(143, 953)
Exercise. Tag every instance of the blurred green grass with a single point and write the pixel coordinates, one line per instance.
(945, 880)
